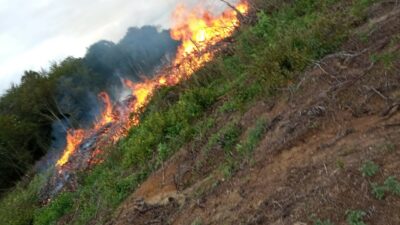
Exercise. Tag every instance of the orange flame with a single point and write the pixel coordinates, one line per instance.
(107, 115)
(197, 29)
(74, 138)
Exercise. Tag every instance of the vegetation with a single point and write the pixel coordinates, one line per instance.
(66, 96)
(320, 222)
(390, 185)
(369, 169)
(355, 217)
(266, 56)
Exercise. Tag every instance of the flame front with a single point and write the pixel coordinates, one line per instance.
(197, 29)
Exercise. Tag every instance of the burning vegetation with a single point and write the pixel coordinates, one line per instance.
(197, 30)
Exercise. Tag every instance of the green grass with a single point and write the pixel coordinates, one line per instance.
(18, 206)
(369, 169)
(244, 149)
(378, 191)
(393, 185)
(266, 56)
(323, 222)
(355, 217)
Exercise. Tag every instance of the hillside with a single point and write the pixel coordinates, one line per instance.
(295, 121)
(323, 150)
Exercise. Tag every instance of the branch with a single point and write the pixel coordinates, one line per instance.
(241, 16)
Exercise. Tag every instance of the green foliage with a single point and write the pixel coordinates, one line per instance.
(360, 7)
(390, 185)
(226, 137)
(18, 206)
(378, 191)
(58, 207)
(355, 217)
(393, 185)
(340, 164)
(322, 222)
(255, 135)
(369, 169)
(197, 221)
(388, 146)
(229, 106)
(388, 59)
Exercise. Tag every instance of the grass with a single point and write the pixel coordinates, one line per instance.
(244, 149)
(355, 217)
(197, 221)
(378, 191)
(266, 56)
(323, 222)
(369, 169)
(391, 185)
(18, 207)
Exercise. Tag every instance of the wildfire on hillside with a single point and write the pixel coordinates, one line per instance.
(198, 30)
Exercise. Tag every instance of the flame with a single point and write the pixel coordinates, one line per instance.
(74, 139)
(107, 115)
(198, 30)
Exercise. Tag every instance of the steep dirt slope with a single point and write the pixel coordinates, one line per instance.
(340, 114)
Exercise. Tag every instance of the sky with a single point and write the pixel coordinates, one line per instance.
(35, 33)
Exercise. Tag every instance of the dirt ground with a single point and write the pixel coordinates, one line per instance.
(342, 112)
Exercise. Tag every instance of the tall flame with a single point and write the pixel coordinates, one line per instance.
(74, 138)
(197, 29)
(107, 115)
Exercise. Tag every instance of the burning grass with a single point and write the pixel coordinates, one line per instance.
(265, 57)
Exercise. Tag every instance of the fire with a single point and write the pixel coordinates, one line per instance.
(74, 138)
(198, 30)
(107, 115)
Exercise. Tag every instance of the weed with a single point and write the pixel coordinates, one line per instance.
(228, 107)
(369, 169)
(340, 164)
(323, 222)
(387, 59)
(197, 221)
(254, 137)
(317, 221)
(389, 146)
(378, 191)
(393, 185)
(355, 217)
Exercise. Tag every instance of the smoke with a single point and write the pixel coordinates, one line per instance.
(139, 54)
